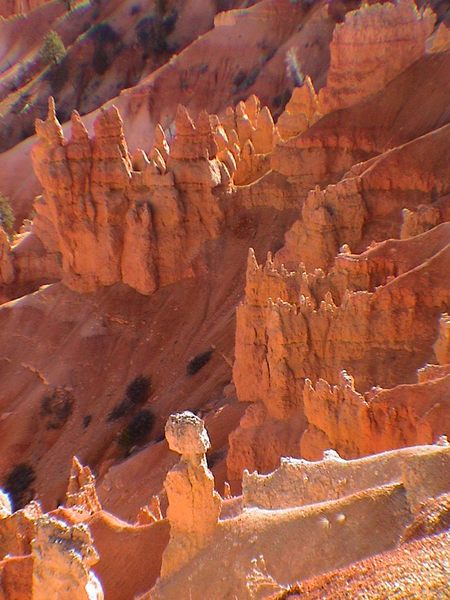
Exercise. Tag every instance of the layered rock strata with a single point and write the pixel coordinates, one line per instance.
(298, 482)
(372, 202)
(368, 314)
(274, 369)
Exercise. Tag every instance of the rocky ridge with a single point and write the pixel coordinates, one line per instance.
(310, 327)
(341, 341)
(389, 494)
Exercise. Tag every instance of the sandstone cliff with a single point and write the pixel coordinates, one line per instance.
(306, 307)
(370, 48)
(122, 215)
(277, 267)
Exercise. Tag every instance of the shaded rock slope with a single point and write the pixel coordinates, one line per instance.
(249, 222)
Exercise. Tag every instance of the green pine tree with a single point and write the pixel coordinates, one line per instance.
(6, 214)
(53, 49)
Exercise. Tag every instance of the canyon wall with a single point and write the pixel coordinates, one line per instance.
(352, 509)
(134, 263)
(343, 310)
(370, 48)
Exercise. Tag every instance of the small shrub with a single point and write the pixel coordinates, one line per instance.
(244, 80)
(280, 101)
(198, 362)
(135, 10)
(20, 103)
(224, 5)
(137, 430)
(269, 55)
(120, 410)
(101, 61)
(103, 33)
(151, 31)
(17, 485)
(149, 36)
(240, 78)
(137, 393)
(107, 42)
(169, 21)
(139, 389)
(53, 49)
(245, 225)
(56, 408)
(87, 421)
(6, 214)
(58, 75)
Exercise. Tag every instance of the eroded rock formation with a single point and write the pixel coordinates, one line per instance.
(370, 48)
(5, 506)
(342, 338)
(194, 506)
(114, 219)
(272, 365)
(345, 310)
(42, 557)
(106, 216)
(301, 111)
(332, 503)
(298, 482)
(81, 493)
(352, 509)
(17, 529)
(140, 220)
(62, 557)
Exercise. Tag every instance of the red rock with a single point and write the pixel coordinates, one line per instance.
(370, 48)
(116, 234)
(135, 262)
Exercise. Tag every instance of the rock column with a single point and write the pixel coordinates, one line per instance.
(194, 506)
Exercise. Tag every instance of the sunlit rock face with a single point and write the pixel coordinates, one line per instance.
(62, 558)
(194, 506)
(373, 45)
(117, 219)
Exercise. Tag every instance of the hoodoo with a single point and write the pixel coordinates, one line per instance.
(224, 299)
